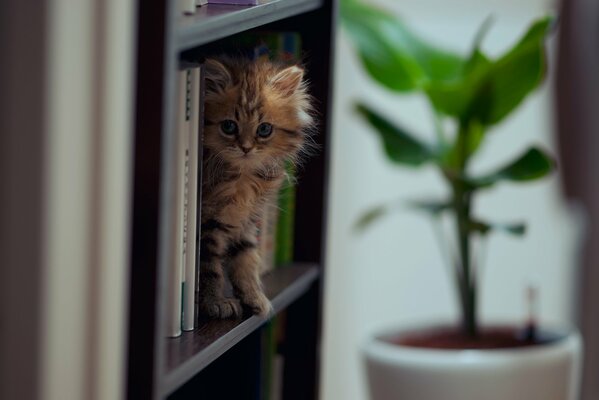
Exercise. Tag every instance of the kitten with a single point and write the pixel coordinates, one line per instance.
(257, 118)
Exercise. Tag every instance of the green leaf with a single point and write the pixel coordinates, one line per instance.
(478, 38)
(369, 217)
(476, 133)
(392, 55)
(454, 98)
(399, 145)
(512, 77)
(432, 207)
(489, 90)
(473, 136)
(484, 228)
(378, 52)
(531, 165)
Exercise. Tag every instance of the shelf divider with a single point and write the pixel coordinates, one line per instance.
(193, 351)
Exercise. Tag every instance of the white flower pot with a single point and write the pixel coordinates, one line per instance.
(548, 371)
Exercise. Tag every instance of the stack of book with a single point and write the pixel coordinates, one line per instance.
(184, 266)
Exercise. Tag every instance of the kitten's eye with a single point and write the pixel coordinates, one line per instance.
(228, 127)
(264, 130)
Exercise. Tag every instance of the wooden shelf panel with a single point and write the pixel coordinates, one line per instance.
(216, 21)
(192, 351)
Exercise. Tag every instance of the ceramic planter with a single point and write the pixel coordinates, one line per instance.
(548, 371)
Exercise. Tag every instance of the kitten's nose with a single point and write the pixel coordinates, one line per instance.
(246, 149)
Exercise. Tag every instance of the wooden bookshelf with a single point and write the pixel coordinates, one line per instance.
(189, 366)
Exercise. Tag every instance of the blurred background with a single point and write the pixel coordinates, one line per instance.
(393, 274)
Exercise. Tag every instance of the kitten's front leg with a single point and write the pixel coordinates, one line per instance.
(245, 276)
(211, 299)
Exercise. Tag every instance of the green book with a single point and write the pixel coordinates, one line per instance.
(286, 222)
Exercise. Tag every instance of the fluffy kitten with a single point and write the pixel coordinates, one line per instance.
(257, 115)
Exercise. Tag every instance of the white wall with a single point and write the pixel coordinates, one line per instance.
(393, 274)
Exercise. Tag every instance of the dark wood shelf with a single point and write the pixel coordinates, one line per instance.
(192, 351)
(216, 21)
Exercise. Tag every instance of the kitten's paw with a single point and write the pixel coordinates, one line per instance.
(259, 304)
(221, 308)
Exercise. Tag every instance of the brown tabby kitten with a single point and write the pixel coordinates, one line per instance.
(257, 117)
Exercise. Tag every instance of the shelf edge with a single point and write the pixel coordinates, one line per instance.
(202, 32)
(184, 372)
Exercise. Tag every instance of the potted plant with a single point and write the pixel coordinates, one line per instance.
(475, 92)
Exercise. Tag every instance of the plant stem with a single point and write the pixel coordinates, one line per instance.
(467, 283)
(462, 208)
(441, 139)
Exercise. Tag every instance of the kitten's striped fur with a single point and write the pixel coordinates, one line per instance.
(242, 171)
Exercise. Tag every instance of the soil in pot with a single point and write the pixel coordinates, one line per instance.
(492, 337)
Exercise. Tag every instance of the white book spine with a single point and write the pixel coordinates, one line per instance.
(176, 265)
(192, 201)
(187, 6)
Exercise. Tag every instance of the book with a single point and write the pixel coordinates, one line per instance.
(185, 226)
(286, 220)
(200, 3)
(186, 6)
(267, 231)
(176, 265)
(191, 199)
(200, 109)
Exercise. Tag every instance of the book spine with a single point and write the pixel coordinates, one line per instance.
(289, 50)
(192, 198)
(200, 154)
(267, 234)
(286, 220)
(186, 6)
(185, 223)
(173, 319)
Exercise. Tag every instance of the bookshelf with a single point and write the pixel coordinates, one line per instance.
(220, 359)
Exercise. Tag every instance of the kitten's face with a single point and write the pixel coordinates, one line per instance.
(255, 112)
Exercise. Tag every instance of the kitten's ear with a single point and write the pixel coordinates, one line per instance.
(288, 80)
(218, 77)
